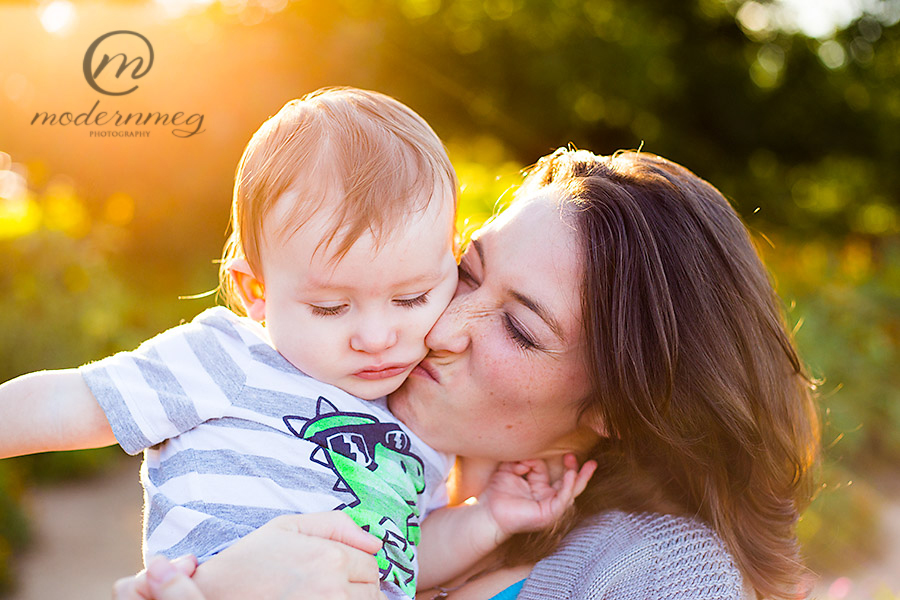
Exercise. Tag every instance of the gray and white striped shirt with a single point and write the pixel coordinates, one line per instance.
(235, 435)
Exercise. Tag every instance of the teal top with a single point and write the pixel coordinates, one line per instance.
(510, 593)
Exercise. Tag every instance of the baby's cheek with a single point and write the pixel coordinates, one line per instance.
(430, 317)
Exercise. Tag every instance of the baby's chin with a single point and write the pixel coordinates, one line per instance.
(405, 411)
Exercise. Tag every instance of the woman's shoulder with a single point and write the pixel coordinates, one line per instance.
(616, 555)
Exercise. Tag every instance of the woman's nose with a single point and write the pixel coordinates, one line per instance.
(450, 334)
(373, 337)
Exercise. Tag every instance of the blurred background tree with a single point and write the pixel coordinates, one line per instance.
(790, 107)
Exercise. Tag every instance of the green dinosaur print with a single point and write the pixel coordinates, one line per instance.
(373, 462)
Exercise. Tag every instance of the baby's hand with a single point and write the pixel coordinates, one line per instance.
(520, 496)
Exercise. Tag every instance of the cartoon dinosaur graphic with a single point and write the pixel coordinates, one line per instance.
(373, 462)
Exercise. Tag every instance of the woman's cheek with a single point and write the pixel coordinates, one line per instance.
(503, 373)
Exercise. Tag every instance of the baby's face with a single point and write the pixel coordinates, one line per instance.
(360, 322)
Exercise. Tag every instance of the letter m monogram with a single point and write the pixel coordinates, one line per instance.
(124, 65)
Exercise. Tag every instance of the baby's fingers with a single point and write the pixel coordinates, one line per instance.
(538, 472)
(520, 468)
(572, 484)
(565, 493)
(584, 476)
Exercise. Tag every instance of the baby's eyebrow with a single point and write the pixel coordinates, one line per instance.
(427, 277)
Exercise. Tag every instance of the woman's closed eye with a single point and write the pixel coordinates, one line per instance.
(465, 275)
(517, 333)
(514, 329)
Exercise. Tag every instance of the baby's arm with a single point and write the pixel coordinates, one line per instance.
(519, 497)
(50, 410)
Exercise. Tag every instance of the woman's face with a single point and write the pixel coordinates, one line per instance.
(505, 374)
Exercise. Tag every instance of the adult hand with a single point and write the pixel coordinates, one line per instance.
(168, 583)
(318, 556)
(162, 580)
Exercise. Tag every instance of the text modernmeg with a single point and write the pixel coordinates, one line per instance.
(179, 120)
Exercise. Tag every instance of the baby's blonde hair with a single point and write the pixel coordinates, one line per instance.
(367, 157)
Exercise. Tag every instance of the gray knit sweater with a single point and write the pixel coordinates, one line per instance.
(623, 556)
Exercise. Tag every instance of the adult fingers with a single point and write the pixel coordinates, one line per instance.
(166, 582)
(360, 591)
(186, 564)
(126, 588)
(333, 525)
(346, 563)
(136, 586)
(353, 549)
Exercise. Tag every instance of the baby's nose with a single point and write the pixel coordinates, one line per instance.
(373, 338)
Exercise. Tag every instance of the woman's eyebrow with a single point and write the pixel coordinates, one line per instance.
(540, 310)
(479, 250)
(531, 304)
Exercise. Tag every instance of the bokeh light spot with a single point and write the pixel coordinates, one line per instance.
(832, 54)
(18, 217)
(840, 588)
(119, 209)
(57, 16)
(418, 9)
(64, 212)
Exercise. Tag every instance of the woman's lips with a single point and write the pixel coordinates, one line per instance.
(382, 372)
(426, 370)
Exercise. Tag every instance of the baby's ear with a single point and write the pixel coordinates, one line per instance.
(250, 288)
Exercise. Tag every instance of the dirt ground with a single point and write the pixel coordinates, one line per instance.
(87, 534)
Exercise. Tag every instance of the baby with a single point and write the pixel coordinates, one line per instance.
(341, 259)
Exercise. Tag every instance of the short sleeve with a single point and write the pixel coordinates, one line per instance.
(171, 383)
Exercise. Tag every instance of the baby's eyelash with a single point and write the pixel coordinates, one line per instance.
(327, 311)
(411, 302)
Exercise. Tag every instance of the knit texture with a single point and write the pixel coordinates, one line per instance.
(624, 556)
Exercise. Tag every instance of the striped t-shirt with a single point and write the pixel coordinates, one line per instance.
(235, 435)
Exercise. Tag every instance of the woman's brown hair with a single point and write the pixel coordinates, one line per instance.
(707, 408)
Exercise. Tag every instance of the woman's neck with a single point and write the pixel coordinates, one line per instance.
(470, 477)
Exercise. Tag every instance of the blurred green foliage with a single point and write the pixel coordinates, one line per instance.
(13, 526)
(66, 299)
(801, 133)
(803, 129)
(843, 297)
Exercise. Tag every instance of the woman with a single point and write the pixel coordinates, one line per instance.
(616, 310)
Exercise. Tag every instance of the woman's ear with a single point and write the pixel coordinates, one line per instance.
(249, 287)
(594, 421)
